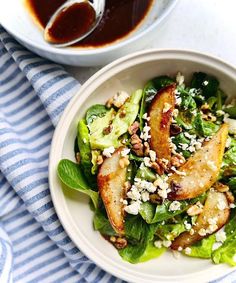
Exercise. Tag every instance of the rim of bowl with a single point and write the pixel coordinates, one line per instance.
(111, 47)
(68, 224)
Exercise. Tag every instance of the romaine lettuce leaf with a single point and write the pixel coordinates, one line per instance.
(227, 252)
(139, 235)
(203, 248)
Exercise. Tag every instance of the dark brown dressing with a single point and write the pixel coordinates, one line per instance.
(72, 23)
(119, 19)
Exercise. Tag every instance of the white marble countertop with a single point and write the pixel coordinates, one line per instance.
(208, 26)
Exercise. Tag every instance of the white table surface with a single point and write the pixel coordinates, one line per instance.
(208, 26)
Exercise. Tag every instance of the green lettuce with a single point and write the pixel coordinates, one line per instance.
(227, 252)
(139, 235)
(203, 248)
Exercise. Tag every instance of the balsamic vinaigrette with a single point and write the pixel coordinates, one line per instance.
(72, 23)
(119, 19)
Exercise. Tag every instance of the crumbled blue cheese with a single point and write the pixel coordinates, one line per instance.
(158, 244)
(133, 193)
(145, 133)
(166, 243)
(205, 83)
(145, 117)
(178, 100)
(147, 161)
(163, 189)
(152, 155)
(133, 208)
(125, 152)
(187, 251)
(179, 79)
(202, 232)
(220, 236)
(220, 113)
(187, 225)
(120, 98)
(107, 152)
(175, 205)
(145, 196)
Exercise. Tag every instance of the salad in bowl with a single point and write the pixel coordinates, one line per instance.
(159, 166)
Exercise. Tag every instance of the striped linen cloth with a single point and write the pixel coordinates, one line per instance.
(33, 245)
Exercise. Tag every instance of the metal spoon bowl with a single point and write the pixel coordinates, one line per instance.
(97, 5)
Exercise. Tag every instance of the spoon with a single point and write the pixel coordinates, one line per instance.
(73, 21)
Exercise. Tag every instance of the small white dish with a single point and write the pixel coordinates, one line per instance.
(128, 73)
(15, 18)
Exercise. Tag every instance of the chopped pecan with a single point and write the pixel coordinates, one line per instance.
(221, 187)
(209, 117)
(137, 146)
(124, 162)
(107, 130)
(177, 160)
(155, 198)
(195, 209)
(133, 128)
(175, 129)
(122, 113)
(230, 197)
(158, 168)
(205, 108)
(120, 243)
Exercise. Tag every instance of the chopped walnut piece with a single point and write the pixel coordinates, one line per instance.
(120, 243)
(124, 161)
(209, 117)
(175, 129)
(158, 168)
(122, 113)
(177, 160)
(205, 107)
(107, 130)
(221, 187)
(109, 103)
(195, 209)
(133, 128)
(155, 198)
(127, 186)
(137, 146)
(230, 197)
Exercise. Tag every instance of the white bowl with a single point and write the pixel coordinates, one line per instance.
(128, 73)
(18, 22)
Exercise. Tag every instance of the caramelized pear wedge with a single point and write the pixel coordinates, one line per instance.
(214, 215)
(160, 113)
(111, 178)
(201, 170)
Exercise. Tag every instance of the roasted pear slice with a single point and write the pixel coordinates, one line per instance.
(214, 215)
(201, 170)
(160, 113)
(111, 178)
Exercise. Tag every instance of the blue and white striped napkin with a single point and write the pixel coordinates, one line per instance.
(33, 245)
